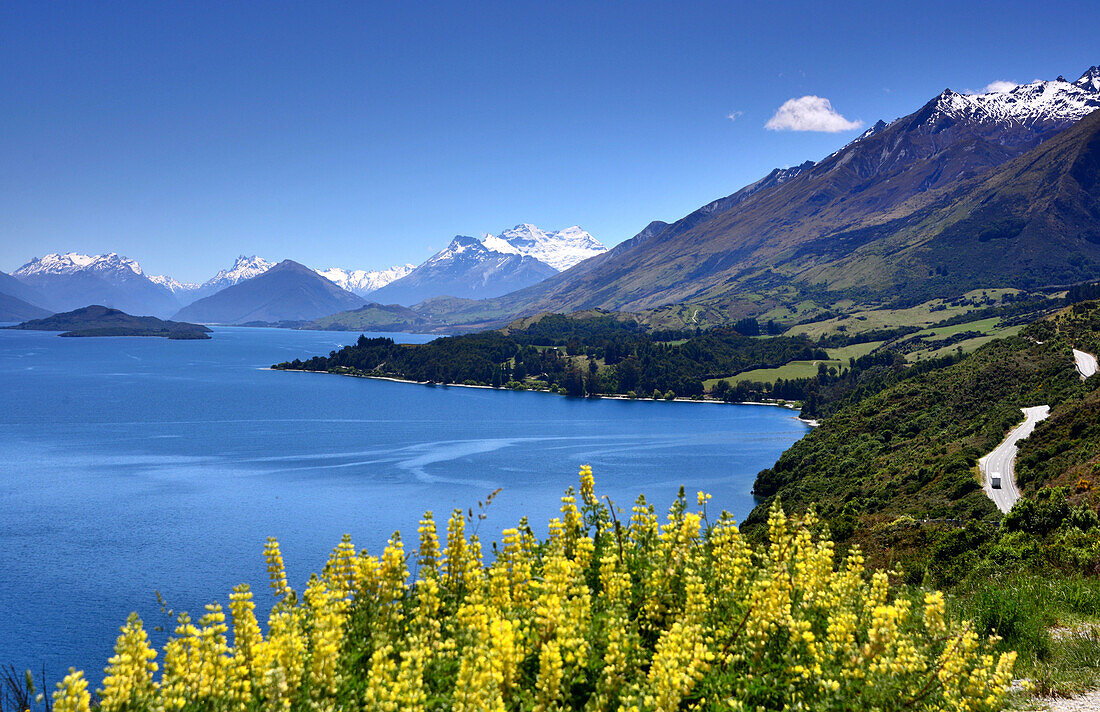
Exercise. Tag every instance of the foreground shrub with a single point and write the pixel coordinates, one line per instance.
(604, 614)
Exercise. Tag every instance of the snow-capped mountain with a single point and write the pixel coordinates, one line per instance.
(174, 286)
(73, 262)
(363, 282)
(561, 249)
(468, 268)
(1028, 104)
(857, 217)
(73, 280)
(243, 268)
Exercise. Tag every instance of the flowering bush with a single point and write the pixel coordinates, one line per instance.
(603, 614)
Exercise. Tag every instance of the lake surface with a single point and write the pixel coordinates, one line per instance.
(135, 465)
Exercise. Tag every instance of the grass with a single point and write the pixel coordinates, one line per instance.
(838, 358)
(922, 315)
(968, 345)
(1051, 621)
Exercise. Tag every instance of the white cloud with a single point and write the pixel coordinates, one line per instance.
(809, 113)
(735, 115)
(999, 87)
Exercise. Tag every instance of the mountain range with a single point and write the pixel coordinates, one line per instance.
(970, 190)
(473, 268)
(491, 267)
(363, 282)
(70, 281)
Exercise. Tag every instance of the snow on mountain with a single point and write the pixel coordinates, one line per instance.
(468, 268)
(244, 268)
(1090, 79)
(1036, 102)
(561, 249)
(172, 285)
(72, 262)
(497, 244)
(363, 282)
(73, 280)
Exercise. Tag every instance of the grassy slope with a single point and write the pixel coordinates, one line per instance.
(838, 358)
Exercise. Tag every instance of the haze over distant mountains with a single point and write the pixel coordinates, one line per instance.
(493, 266)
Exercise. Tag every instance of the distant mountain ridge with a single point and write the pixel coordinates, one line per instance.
(72, 280)
(15, 300)
(244, 267)
(466, 268)
(19, 301)
(472, 268)
(506, 263)
(363, 282)
(287, 292)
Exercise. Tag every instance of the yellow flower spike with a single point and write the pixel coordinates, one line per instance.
(588, 485)
(646, 617)
(427, 556)
(455, 557)
(339, 572)
(326, 609)
(247, 639)
(129, 679)
(934, 609)
(275, 569)
(72, 693)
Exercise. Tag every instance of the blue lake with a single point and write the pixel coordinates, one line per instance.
(130, 466)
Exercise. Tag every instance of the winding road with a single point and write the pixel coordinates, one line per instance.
(1086, 363)
(1002, 461)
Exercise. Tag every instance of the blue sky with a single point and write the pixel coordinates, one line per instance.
(367, 134)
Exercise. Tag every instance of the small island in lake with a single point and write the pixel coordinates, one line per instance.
(98, 320)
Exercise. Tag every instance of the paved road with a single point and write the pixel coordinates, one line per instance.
(1086, 363)
(1002, 461)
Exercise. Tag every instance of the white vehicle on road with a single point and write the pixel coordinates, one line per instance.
(999, 467)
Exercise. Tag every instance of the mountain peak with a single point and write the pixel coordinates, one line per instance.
(1090, 79)
(363, 282)
(1058, 101)
(245, 267)
(72, 262)
(560, 249)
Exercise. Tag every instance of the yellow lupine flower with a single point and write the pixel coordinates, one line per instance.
(275, 568)
(325, 609)
(129, 680)
(643, 616)
(72, 693)
(428, 554)
(588, 485)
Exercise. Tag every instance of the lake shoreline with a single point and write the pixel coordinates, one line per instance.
(808, 421)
